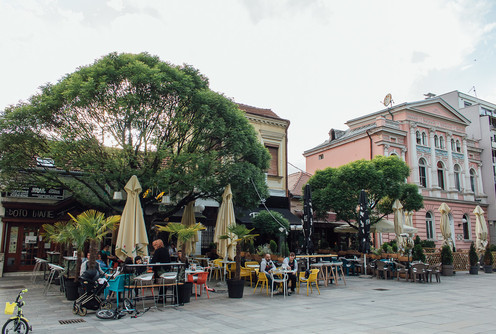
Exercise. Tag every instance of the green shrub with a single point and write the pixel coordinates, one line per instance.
(263, 249)
(395, 248)
(385, 247)
(418, 253)
(285, 249)
(428, 244)
(273, 246)
(446, 255)
(488, 257)
(493, 248)
(472, 255)
(417, 240)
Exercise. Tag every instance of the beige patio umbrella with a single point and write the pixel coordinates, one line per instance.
(132, 239)
(188, 219)
(225, 218)
(444, 209)
(398, 222)
(480, 229)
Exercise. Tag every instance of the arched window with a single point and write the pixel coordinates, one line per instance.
(441, 142)
(440, 175)
(472, 179)
(429, 225)
(458, 147)
(419, 140)
(466, 227)
(436, 141)
(453, 145)
(423, 173)
(458, 185)
(424, 139)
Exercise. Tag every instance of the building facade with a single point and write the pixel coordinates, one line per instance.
(431, 137)
(482, 115)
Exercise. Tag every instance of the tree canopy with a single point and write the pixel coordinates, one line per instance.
(382, 178)
(132, 114)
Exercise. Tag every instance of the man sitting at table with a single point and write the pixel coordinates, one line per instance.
(291, 264)
(160, 255)
(266, 266)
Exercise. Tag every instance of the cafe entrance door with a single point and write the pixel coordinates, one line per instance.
(23, 244)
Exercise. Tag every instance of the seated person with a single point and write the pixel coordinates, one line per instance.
(182, 269)
(212, 255)
(291, 263)
(103, 262)
(266, 266)
(172, 249)
(84, 268)
(160, 255)
(139, 270)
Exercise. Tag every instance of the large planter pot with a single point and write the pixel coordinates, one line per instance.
(488, 269)
(184, 292)
(235, 288)
(447, 270)
(474, 270)
(71, 290)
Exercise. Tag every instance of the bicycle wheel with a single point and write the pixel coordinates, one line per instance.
(15, 325)
(75, 309)
(105, 314)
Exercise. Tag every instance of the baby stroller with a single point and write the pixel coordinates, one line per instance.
(92, 287)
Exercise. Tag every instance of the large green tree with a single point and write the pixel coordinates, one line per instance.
(383, 179)
(132, 114)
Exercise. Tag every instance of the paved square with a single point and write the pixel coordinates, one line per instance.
(460, 304)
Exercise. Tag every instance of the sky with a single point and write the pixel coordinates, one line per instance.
(316, 63)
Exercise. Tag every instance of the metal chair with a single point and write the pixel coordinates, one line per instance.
(141, 282)
(169, 278)
(54, 270)
(40, 263)
(279, 277)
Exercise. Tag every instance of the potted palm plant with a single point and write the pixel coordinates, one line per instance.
(447, 260)
(488, 261)
(91, 226)
(184, 234)
(240, 234)
(473, 258)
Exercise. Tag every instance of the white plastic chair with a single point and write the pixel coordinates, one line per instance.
(279, 277)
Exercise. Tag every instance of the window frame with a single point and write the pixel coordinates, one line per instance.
(429, 226)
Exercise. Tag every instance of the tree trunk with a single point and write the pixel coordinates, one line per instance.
(94, 249)
(237, 274)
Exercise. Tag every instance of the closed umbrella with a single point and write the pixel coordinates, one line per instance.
(308, 219)
(444, 209)
(398, 223)
(132, 239)
(480, 229)
(225, 218)
(364, 223)
(188, 219)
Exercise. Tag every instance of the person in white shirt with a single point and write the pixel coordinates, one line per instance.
(291, 264)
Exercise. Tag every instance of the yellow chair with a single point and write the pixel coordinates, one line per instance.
(231, 269)
(246, 272)
(216, 269)
(312, 278)
(263, 280)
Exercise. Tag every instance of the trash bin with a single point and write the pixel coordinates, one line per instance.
(184, 292)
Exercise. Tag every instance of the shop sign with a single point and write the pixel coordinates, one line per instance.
(38, 192)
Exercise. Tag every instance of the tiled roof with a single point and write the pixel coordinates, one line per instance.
(258, 111)
(296, 181)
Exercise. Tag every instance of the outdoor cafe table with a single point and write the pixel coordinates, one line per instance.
(313, 256)
(146, 265)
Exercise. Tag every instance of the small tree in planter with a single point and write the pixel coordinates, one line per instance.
(473, 259)
(488, 260)
(240, 234)
(447, 260)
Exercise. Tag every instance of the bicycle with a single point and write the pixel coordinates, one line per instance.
(18, 323)
(114, 314)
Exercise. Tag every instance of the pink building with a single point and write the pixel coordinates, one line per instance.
(430, 136)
